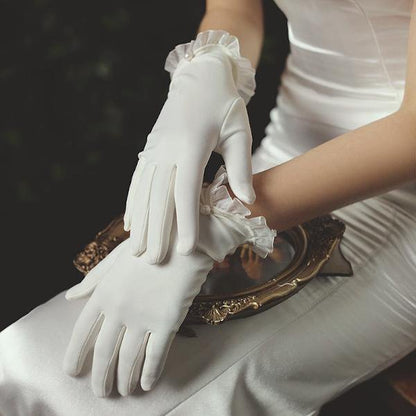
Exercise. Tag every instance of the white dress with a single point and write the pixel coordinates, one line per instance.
(346, 68)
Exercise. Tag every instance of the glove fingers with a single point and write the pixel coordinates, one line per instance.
(94, 276)
(162, 208)
(130, 362)
(105, 357)
(131, 194)
(236, 151)
(138, 232)
(156, 354)
(83, 338)
(187, 193)
(237, 158)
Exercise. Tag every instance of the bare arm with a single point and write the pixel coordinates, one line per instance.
(365, 162)
(241, 18)
(354, 166)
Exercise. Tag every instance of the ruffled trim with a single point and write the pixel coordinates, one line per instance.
(216, 200)
(245, 82)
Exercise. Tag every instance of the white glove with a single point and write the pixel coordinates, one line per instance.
(204, 112)
(136, 309)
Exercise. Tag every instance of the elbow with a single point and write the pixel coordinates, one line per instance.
(408, 103)
(408, 107)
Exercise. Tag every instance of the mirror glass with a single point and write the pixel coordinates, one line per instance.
(245, 269)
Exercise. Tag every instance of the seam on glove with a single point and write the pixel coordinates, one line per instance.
(132, 193)
(167, 201)
(112, 358)
(88, 340)
(224, 121)
(141, 353)
(146, 216)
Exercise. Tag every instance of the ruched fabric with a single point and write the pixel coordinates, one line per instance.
(346, 69)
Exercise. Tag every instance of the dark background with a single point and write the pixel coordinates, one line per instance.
(82, 84)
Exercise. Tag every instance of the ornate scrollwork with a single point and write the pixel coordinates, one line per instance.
(323, 232)
(92, 254)
(104, 242)
(215, 313)
(314, 242)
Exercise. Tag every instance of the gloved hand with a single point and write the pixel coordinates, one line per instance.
(136, 309)
(204, 112)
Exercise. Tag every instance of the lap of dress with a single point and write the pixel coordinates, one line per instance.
(289, 360)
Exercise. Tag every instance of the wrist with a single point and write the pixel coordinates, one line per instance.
(226, 223)
(223, 44)
(230, 191)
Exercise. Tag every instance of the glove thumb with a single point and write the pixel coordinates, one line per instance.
(94, 276)
(235, 148)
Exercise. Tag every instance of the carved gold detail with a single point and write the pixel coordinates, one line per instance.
(314, 243)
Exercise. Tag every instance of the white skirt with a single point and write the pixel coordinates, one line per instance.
(289, 360)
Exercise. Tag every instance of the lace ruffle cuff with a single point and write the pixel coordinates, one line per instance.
(245, 80)
(216, 201)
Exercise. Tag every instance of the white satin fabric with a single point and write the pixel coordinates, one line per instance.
(346, 69)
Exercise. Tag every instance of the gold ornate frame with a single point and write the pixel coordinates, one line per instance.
(317, 251)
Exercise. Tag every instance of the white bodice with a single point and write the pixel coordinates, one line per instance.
(347, 61)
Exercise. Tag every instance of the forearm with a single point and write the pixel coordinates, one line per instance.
(241, 18)
(357, 165)
(409, 99)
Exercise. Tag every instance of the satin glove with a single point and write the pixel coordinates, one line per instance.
(135, 309)
(205, 111)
